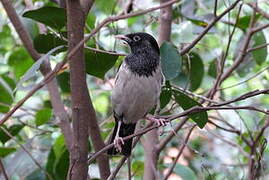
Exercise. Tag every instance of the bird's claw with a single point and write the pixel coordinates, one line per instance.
(118, 142)
(158, 121)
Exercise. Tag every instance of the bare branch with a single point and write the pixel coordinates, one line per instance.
(228, 142)
(215, 7)
(83, 114)
(57, 104)
(208, 27)
(248, 79)
(59, 66)
(27, 152)
(223, 59)
(3, 170)
(193, 110)
(121, 163)
(256, 8)
(168, 138)
(257, 47)
(23, 34)
(86, 4)
(181, 148)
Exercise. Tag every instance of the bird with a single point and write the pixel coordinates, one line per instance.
(137, 89)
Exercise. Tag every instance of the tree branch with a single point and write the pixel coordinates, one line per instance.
(86, 5)
(181, 148)
(168, 138)
(208, 27)
(83, 113)
(55, 98)
(195, 109)
(259, 10)
(27, 152)
(59, 66)
(3, 170)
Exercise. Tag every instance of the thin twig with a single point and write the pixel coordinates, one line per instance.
(254, 6)
(27, 152)
(222, 62)
(233, 130)
(209, 26)
(121, 163)
(3, 170)
(228, 142)
(168, 138)
(248, 79)
(195, 109)
(257, 47)
(215, 7)
(182, 146)
(59, 66)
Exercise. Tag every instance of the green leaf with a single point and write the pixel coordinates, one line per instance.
(165, 95)
(196, 71)
(31, 72)
(105, 6)
(9, 81)
(97, 63)
(212, 70)
(198, 22)
(4, 151)
(50, 163)
(171, 61)
(91, 20)
(138, 168)
(243, 22)
(43, 116)
(64, 82)
(260, 54)
(6, 97)
(20, 61)
(50, 16)
(6, 39)
(59, 146)
(186, 102)
(45, 42)
(247, 65)
(62, 165)
(58, 160)
(185, 172)
(182, 80)
(13, 130)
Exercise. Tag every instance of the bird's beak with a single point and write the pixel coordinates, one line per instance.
(123, 37)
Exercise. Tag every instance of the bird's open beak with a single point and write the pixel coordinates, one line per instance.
(123, 37)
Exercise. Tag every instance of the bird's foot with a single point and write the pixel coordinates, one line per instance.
(158, 121)
(118, 142)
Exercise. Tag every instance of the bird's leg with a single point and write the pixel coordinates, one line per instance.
(158, 121)
(118, 141)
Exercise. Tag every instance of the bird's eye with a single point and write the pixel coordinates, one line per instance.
(136, 38)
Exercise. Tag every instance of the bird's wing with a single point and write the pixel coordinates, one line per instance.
(134, 96)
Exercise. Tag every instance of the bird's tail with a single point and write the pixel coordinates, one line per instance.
(125, 130)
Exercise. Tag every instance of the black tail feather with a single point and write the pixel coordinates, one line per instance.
(125, 130)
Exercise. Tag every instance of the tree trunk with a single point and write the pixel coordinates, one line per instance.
(79, 93)
(83, 113)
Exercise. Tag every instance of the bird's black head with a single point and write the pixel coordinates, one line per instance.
(140, 40)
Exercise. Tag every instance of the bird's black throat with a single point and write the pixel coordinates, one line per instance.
(143, 61)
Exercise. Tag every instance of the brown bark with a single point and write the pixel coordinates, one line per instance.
(165, 23)
(52, 86)
(152, 140)
(151, 155)
(83, 114)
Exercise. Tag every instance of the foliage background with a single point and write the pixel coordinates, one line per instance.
(37, 145)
